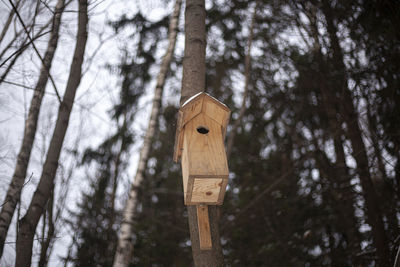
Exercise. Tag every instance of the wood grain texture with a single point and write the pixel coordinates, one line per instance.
(201, 104)
(206, 190)
(215, 110)
(206, 152)
(185, 172)
(204, 162)
(204, 227)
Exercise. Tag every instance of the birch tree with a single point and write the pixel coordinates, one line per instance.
(124, 251)
(14, 191)
(29, 222)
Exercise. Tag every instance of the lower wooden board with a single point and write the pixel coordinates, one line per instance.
(203, 223)
(206, 190)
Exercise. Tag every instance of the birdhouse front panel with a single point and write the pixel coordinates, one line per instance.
(206, 164)
(200, 146)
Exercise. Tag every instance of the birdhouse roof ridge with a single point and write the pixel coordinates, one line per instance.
(195, 106)
(205, 94)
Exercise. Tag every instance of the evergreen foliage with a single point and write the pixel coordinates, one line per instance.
(296, 195)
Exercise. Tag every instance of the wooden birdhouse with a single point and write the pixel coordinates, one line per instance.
(199, 145)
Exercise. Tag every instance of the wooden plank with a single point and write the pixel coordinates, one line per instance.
(178, 146)
(185, 174)
(192, 109)
(208, 176)
(206, 190)
(188, 203)
(206, 152)
(188, 196)
(216, 111)
(222, 192)
(203, 223)
(201, 104)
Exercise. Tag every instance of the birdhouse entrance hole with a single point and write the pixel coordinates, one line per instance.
(202, 130)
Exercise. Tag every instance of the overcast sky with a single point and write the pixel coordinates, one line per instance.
(89, 122)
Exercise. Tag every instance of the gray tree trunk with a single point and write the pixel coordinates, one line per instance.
(247, 68)
(47, 238)
(354, 133)
(14, 191)
(124, 253)
(193, 82)
(8, 22)
(28, 223)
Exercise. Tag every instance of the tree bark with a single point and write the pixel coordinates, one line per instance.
(124, 253)
(46, 240)
(14, 191)
(42, 194)
(193, 82)
(194, 68)
(350, 116)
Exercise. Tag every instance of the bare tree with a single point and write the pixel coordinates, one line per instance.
(24, 44)
(193, 82)
(14, 191)
(124, 251)
(29, 222)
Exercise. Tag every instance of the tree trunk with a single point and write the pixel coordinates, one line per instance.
(124, 253)
(45, 242)
(8, 22)
(344, 190)
(349, 113)
(247, 69)
(42, 194)
(193, 82)
(14, 191)
(386, 189)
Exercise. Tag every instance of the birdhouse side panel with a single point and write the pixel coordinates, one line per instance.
(185, 173)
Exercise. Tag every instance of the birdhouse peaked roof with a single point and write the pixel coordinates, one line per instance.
(201, 103)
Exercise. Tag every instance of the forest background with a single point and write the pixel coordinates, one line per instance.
(313, 141)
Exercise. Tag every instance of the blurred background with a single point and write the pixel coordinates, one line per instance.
(313, 140)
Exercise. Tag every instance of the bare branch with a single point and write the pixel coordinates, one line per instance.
(34, 47)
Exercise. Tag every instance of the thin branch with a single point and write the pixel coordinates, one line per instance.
(76, 103)
(8, 22)
(29, 179)
(22, 48)
(34, 47)
(396, 263)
